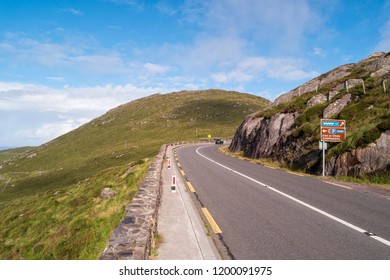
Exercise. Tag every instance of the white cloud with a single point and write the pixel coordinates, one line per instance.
(53, 78)
(384, 43)
(33, 114)
(131, 3)
(78, 53)
(166, 9)
(57, 128)
(252, 68)
(279, 23)
(74, 11)
(319, 52)
(156, 68)
(100, 63)
(215, 51)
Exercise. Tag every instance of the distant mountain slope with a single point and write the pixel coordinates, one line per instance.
(130, 132)
(7, 153)
(289, 129)
(50, 196)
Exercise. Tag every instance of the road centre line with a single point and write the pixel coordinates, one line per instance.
(211, 221)
(192, 189)
(358, 229)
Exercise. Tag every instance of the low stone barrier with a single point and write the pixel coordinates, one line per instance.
(133, 238)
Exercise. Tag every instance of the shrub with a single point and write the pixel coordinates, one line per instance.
(353, 111)
(384, 125)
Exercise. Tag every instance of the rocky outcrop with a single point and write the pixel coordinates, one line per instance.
(372, 159)
(337, 106)
(314, 84)
(378, 64)
(260, 137)
(315, 100)
(243, 133)
(289, 133)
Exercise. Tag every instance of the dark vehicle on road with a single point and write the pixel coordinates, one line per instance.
(218, 141)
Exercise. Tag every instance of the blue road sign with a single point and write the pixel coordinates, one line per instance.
(328, 124)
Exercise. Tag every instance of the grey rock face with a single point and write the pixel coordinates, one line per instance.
(337, 106)
(315, 100)
(381, 71)
(311, 85)
(375, 157)
(354, 82)
(332, 94)
(265, 135)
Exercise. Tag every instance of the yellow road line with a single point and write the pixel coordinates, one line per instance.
(290, 172)
(178, 164)
(190, 187)
(270, 167)
(182, 172)
(338, 185)
(211, 221)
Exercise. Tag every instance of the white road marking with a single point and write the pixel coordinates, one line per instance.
(380, 239)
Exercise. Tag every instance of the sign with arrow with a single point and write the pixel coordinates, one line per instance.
(333, 130)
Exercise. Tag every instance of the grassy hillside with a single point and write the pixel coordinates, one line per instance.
(10, 153)
(49, 196)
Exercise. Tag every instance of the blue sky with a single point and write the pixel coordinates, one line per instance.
(63, 63)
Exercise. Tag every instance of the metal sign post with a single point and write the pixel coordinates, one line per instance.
(331, 131)
(323, 159)
(323, 146)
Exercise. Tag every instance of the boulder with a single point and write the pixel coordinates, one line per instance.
(332, 94)
(360, 161)
(32, 155)
(315, 100)
(354, 82)
(381, 72)
(108, 193)
(337, 106)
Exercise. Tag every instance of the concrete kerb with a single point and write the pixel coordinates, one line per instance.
(134, 238)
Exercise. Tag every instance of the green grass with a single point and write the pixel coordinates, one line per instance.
(10, 153)
(37, 224)
(70, 223)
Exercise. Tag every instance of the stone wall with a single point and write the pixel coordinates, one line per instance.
(133, 238)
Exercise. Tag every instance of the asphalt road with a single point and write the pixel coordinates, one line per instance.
(267, 213)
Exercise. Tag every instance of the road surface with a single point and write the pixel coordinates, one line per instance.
(266, 213)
